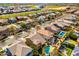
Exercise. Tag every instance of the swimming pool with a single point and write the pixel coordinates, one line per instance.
(47, 50)
(61, 34)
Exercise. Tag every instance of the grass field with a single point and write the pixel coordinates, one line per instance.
(57, 8)
(69, 51)
(72, 42)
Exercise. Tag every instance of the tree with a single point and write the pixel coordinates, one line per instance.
(1, 52)
(23, 25)
(12, 28)
(73, 36)
(77, 24)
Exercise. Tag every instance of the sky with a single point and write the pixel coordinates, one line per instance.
(39, 1)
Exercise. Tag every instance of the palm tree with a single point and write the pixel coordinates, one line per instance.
(23, 25)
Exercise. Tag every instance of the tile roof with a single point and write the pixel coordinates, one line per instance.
(45, 32)
(19, 48)
(37, 39)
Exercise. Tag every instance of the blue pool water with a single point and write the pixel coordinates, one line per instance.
(47, 50)
(61, 34)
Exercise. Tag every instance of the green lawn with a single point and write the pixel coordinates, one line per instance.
(72, 42)
(69, 51)
(14, 4)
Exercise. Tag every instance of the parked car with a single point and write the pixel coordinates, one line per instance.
(12, 20)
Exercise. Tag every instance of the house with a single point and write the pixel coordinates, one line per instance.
(3, 21)
(52, 28)
(29, 21)
(76, 13)
(58, 13)
(41, 13)
(4, 32)
(28, 24)
(45, 33)
(63, 22)
(54, 15)
(19, 48)
(71, 10)
(68, 21)
(37, 39)
(30, 15)
(3, 9)
(59, 25)
(16, 11)
(70, 17)
(38, 14)
(11, 7)
(6, 11)
(20, 18)
(51, 15)
(22, 34)
(66, 24)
